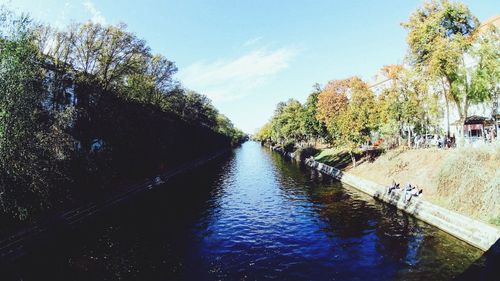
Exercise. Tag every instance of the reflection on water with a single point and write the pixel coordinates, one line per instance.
(253, 216)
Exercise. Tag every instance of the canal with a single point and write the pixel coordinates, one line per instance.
(251, 215)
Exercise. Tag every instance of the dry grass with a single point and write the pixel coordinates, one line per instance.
(466, 180)
(469, 182)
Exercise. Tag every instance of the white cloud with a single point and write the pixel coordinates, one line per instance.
(228, 79)
(97, 17)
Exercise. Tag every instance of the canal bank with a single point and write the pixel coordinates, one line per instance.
(20, 241)
(474, 232)
(252, 215)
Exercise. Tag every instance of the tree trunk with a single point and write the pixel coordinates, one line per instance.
(409, 137)
(447, 115)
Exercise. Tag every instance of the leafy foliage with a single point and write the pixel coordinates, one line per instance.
(90, 106)
(441, 36)
(443, 41)
(34, 144)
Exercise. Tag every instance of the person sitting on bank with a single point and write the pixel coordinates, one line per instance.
(407, 192)
(412, 192)
(393, 186)
(416, 192)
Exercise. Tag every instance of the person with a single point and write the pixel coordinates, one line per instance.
(414, 191)
(158, 180)
(393, 186)
(407, 192)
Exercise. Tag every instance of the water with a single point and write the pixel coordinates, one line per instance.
(252, 215)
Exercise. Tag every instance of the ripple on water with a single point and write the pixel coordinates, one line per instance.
(256, 216)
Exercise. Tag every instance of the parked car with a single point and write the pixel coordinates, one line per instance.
(428, 140)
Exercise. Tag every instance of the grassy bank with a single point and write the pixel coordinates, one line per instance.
(466, 180)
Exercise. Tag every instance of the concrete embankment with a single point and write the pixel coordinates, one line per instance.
(474, 232)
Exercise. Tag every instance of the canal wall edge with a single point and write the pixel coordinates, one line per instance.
(474, 232)
(16, 244)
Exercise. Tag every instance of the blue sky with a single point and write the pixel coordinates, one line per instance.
(249, 55)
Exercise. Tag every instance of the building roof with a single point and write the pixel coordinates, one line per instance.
(476, 119)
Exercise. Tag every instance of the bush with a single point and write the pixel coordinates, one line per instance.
(304, 153)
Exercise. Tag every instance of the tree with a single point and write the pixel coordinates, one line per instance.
(439, 35)
(226, 127)
(349, 120)
(313, 128)
(287, 126)
(264, 133)
(485, 77)
(331, 102)
(290, 122)
(33, 143)
(402, 106)
(162, 71)
(199, 108)
(355, 123)
(121, 54)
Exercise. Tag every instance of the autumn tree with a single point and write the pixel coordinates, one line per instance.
(347, 108)
(358, 120)
(331, 102)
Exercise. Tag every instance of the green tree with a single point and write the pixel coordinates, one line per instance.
(264, 133)
(439, 35)
(287, 125)
(292, 121)
(485, 76)
(33, 143)
(406, 104)
(313, 128)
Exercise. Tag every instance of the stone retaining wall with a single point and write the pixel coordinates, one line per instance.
(474, 232)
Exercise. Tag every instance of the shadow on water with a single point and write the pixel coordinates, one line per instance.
(389, 244)
(252, 215)
(486, 268)
(148, 238)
